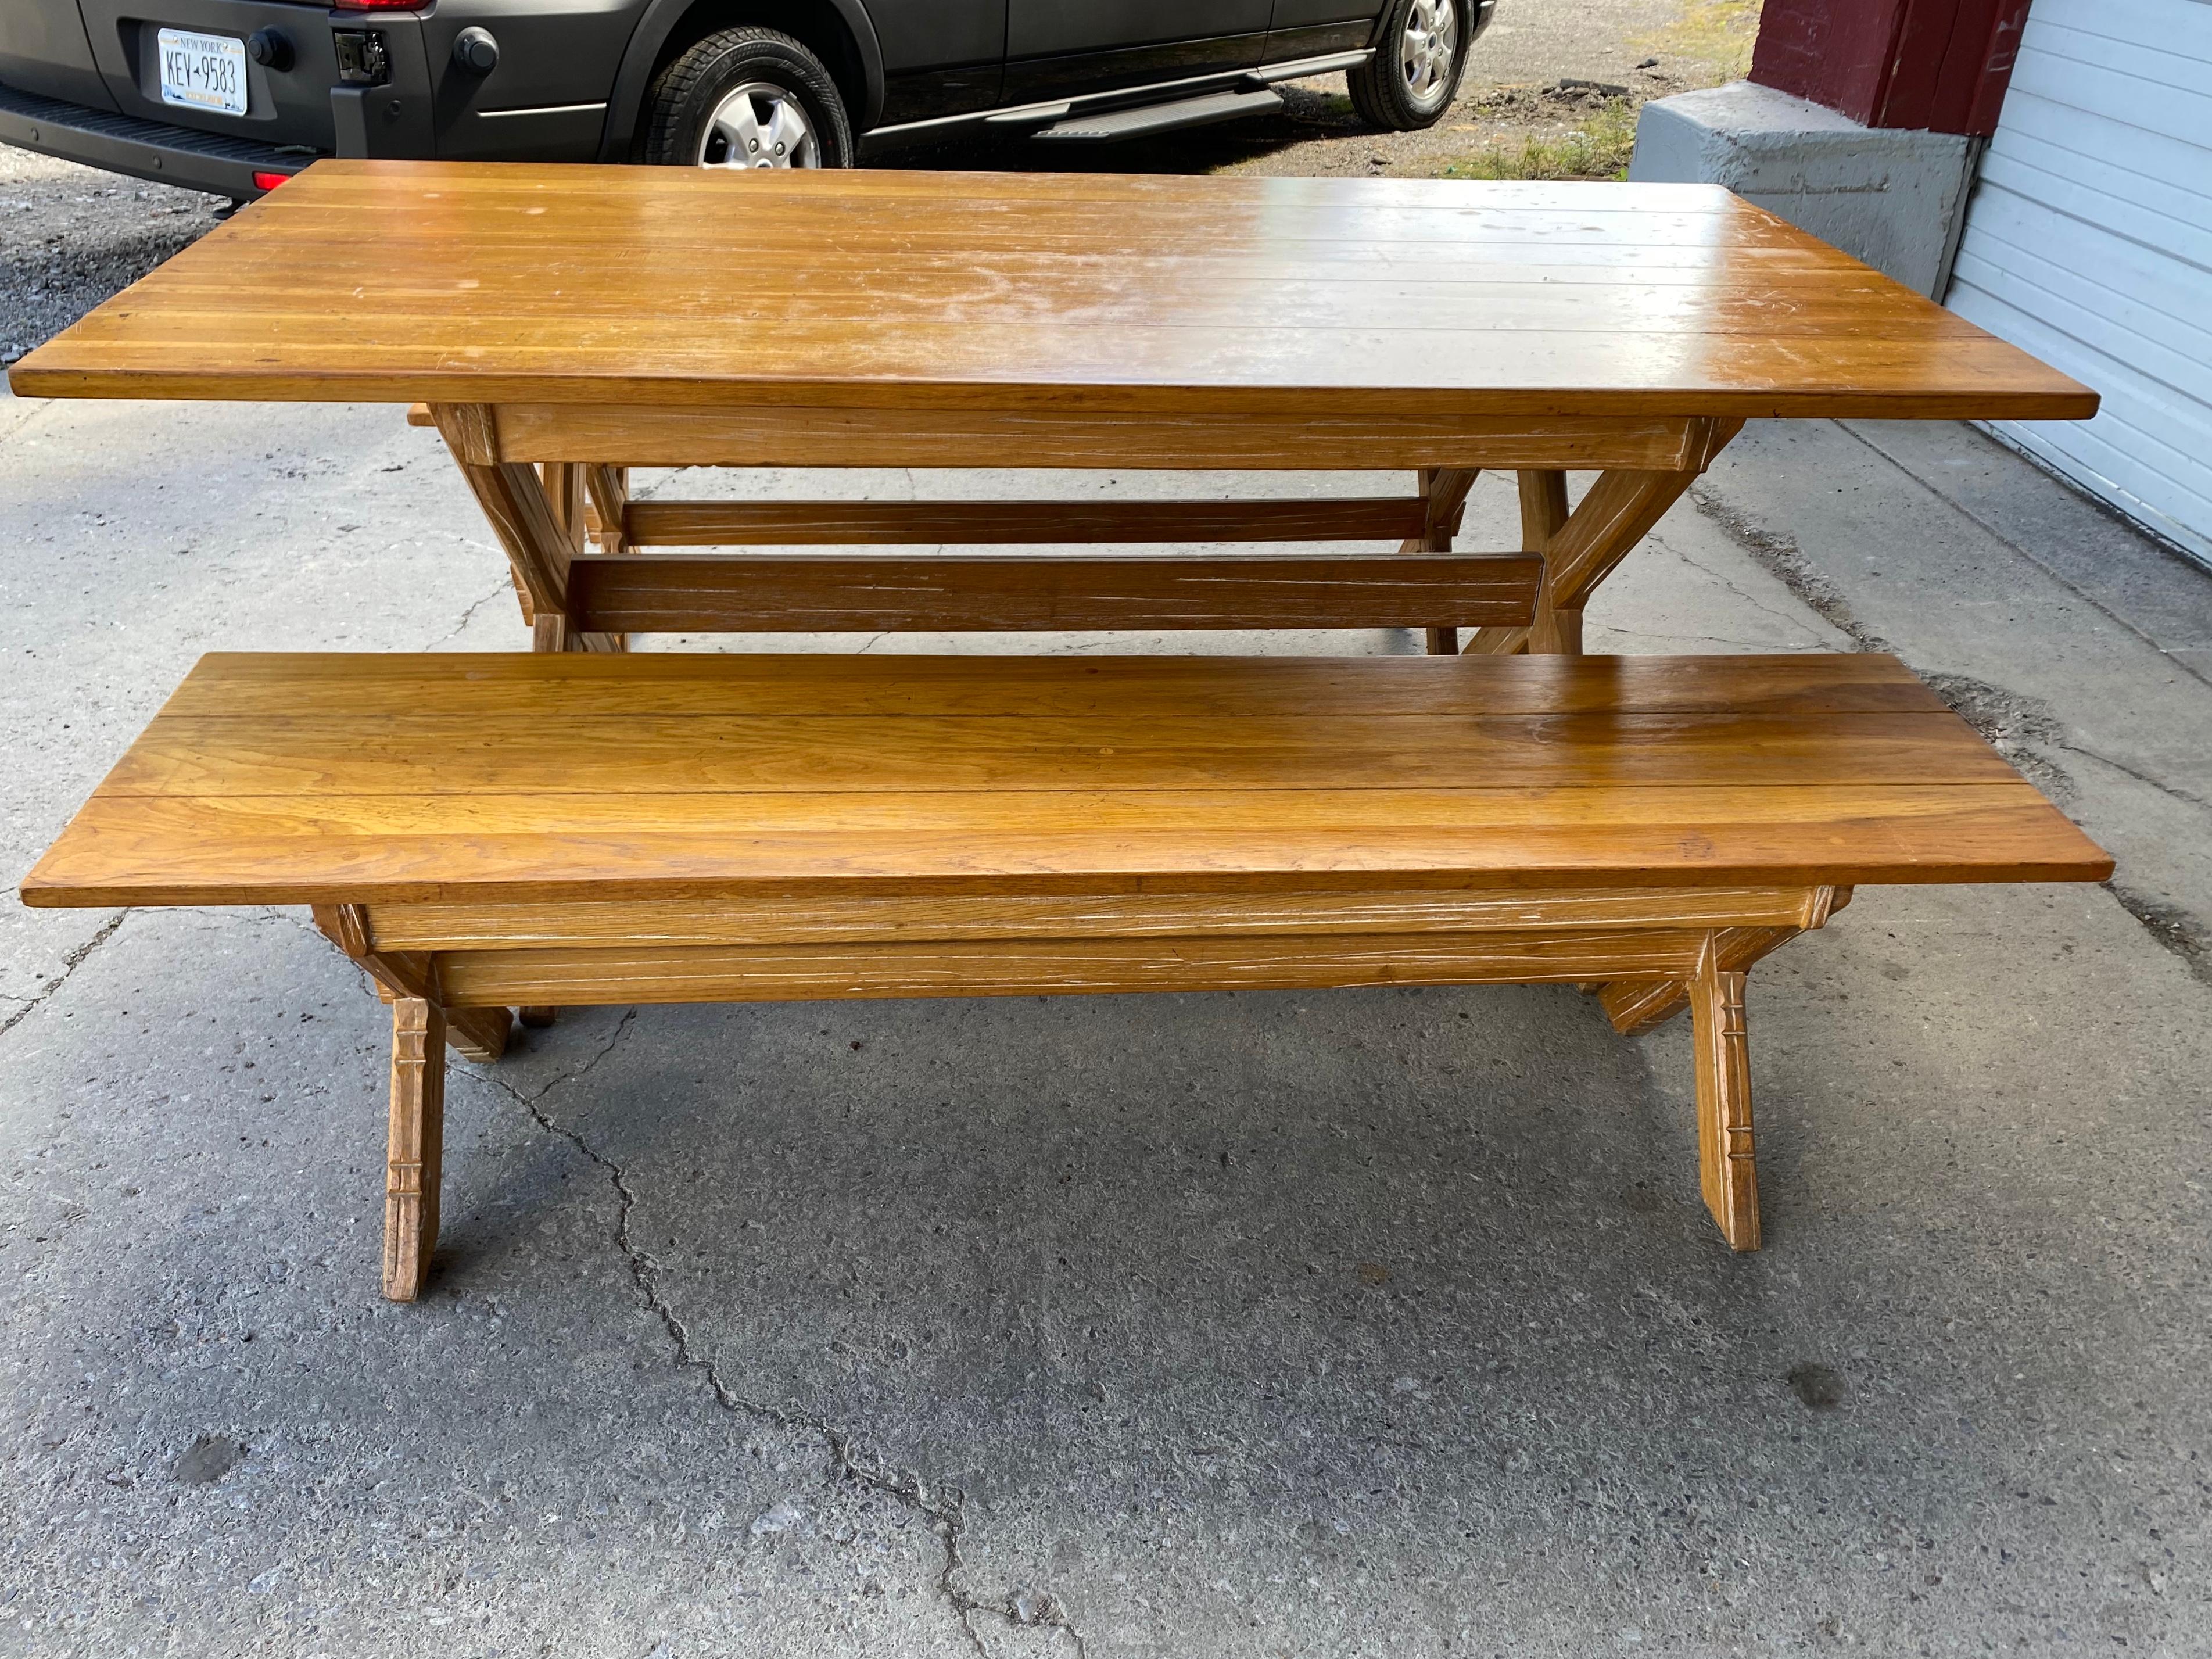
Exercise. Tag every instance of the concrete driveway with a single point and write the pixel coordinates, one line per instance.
(1369, 1322)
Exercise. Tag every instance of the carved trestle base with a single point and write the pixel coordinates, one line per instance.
(452, 972)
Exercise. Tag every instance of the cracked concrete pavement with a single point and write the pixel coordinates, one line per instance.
(1369, 1322)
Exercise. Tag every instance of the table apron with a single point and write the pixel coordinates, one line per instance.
(764, 435)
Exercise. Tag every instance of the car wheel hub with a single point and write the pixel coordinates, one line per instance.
(759, 126)
(1426, 55)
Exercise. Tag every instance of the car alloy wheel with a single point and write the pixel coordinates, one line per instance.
(1427, 48)
(746, 98)
(758, 125)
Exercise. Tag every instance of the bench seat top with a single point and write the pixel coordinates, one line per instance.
(398, 778)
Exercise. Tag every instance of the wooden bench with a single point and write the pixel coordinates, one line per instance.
(479, 832)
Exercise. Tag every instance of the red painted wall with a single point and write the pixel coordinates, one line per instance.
(1937, 64)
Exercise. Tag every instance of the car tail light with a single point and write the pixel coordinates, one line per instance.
(269, 181)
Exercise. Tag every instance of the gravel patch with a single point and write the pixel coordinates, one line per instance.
(70, 236)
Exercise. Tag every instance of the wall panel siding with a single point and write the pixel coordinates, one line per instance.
(2088, 242)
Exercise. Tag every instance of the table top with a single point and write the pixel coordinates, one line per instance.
(475, 282)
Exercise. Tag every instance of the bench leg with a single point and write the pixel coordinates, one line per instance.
(480, 1033)
(1725, 1149)
(535, 1017)
(417, 1147)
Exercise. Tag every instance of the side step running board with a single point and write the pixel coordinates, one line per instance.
(1165, 117)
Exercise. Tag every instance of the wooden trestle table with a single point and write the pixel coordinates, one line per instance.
(563, 324)
(1648, 828)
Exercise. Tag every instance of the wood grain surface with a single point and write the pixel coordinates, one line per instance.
(1297, 298)
(402, 780)
(910, 523)
(845, 592)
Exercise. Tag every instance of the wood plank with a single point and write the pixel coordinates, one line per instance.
(788, 524)
(1356, 300)
(845, 592)
(458, 753)
(459, 849)
(1038, 967)
(936, 362)
(509, 688)
(405, 788)
(777, 919)
(800, 300)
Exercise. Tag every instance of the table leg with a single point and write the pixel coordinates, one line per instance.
(609, 488)
(1552, 631)
(606, 515)
(1582, 548)
(541, 528)
(1444, 490)
(566, 484)
(587, 501)
(1617, 512)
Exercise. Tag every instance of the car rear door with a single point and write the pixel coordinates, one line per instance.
(43, 50)
(286, 106)
(1060, 46)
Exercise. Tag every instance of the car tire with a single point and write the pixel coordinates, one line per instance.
(747, 98)
(1420, 56)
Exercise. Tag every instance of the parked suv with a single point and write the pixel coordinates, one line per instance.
(234, 96)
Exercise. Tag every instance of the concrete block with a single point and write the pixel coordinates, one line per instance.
(1891, 197)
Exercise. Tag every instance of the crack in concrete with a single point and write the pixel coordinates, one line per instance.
(2173, 791)
(621, 1031)
(942, 1512)
(2171, 925)
(2176, 926)
(70, 963)
(1779, 555)
(1647, 634)
(25, 418)
(469, 615)
(1755, 603)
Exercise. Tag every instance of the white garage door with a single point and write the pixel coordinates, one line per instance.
(2089, 242)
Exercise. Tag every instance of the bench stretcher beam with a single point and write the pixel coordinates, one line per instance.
(472, 960)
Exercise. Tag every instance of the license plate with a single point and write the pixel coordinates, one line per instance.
(202, 71)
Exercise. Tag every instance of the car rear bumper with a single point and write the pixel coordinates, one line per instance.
(1483, 10)
(212, 161)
